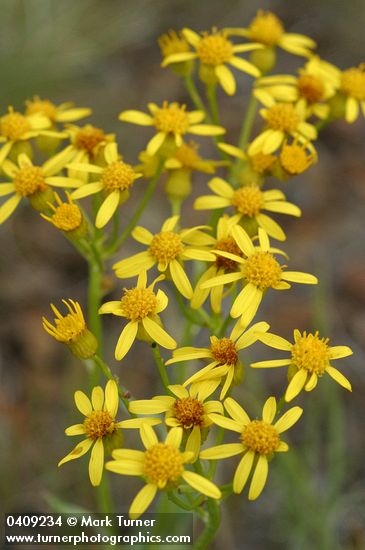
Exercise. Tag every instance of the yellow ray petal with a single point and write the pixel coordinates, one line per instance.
(259, 478)
(96, 463)
(243, 471)
(126, 340)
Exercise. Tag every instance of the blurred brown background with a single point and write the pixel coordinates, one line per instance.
(104, 55)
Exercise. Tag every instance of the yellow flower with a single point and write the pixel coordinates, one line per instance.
(267, 29)
(310, 359)
(259, 440)
(161, 465)
(67, 217)
(173, 43)
(88, 142)
(223, 356)
(283, 120)
(188, 409)
(33, 182)
(312, 89)
(249, 202)
(66, 112)
(295, 157)
(352, 86)
(259, 271)
(187, 157)
(172, 122)
(223, 241)
(115, 180)
(141, 306)
(71, 330)
(100, 428)
(214, 51)
(167, 249)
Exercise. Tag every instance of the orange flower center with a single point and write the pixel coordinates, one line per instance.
(214, 49)
(189, 412)
(14, 126)
(138, 303)
(162, 463)
(260, 437)
(262, 270)
(29, 180)
(88, 138)
(294, 159)
(227, 245)
(311, 353)
(118, 175)
(310, 87)
(172, 119)
(166, 246)
(224, 351)
(282, 116)
(248, 200)
(67, 217)
(98, 424)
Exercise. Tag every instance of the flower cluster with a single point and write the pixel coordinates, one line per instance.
(218, 273)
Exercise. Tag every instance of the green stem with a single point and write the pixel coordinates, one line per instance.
(211, 91)
(245, 134)
(198, 317)
(161, 366)
(122, 392)
(103, 496)
(94, 302)
(211, 527)
(138, 213)
(194, 94)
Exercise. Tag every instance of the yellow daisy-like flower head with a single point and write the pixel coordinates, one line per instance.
(66, 112)
(167, 249)
(88, 143)
(224, 363)
(16, 127)
(254, 167)
(71, 329)
(67, 217)
(267, 29)
(283, 120)
(311, 90)
(259, 441)
(115, 180)
(215, 51)
(141, 306)
(310, 359)
(173, 43)
(161, 465)
(259, 270)
(223, 241)
(352, 86)
(33, 182)
(102, 431)
(249, 201)
(172, 121)
(187, 409)
(295, 157)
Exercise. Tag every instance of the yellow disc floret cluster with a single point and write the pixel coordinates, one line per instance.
(118, 175)
(248, 200)
(88, 138)
(227, 245)
(14, 125)
(162, 463)
(67, 217)
(172, 118)
(261, 162)
(294, 158)
(266, 28)
(99, 424)
(311, 353)
(353, 82)
(41, 106)
(214, 49)
(166, 246)
(171, 43)
(260, 437)
(224, 351)
(262, 270)
(138, 303)
(189, 412)
(29, 180)
(282, 116)
(310, 87)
